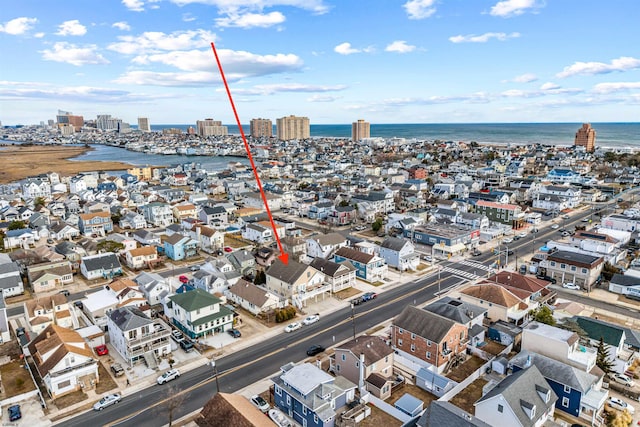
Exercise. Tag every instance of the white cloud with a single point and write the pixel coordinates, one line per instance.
(225, 6)
(400, 46)
(39, 35)
(71, 28)
(21, 90)
(610, 87)
(18, 26)
(508, 8)
(155, 41)
(525, 78)
(419, 9)
(346, 49)
(323, 98)
(122, 25)
(134, 5)
(624, 63)
(152, 78)
(74, 55)
(483, 38)
(187, 17)
(249, 20)
(270, 89)
(549, 86)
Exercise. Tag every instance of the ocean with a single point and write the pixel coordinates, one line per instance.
(608, 135)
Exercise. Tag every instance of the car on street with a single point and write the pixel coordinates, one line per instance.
(585, 220)
(555, 226)
(106, 401)
(292, 327)
(194, 268)
(368, 296)
(507, 240)
(522, 234)
(260, 403)
(315, 349)
(14, 413)
(620, 405)
(570, 285)
(177, 335)
(510, 252)
(476, 252)
(547, 278)
(102, 350)
(623, 379)
(566, 234)
(171, 374)
(311, 319)
(234, 333)
(565, 216)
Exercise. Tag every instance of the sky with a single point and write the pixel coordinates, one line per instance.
(334, 61)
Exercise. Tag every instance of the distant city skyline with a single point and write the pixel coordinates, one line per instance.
(411, 61)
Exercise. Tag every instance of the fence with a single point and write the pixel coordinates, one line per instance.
(385, 407)
(464, 384)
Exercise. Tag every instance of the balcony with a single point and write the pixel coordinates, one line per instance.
(146, 338)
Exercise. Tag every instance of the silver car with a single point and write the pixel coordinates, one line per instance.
(108, 400)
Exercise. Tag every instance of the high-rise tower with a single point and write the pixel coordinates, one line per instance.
(360, 130)
(586, 137)
(293, 127)
(261, 128)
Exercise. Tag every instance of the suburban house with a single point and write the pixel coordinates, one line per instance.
(186, 210)
(579, 392)
(95, 223)
(100, 266)
(429, 337)
(510, 305)
(559, 344)
(72, 252)
(445, 414)
(158, 214)
(214, 216)
(143, 257)
(49, 276)
(226, 409)
(208, 239)
(20, 238)
(132, 220)
(295, 282)
(242, 261)
(339, 276)
(136, 337)
(127, 293)
(64, 361)
(614, 336)
(63, 231)
(198, 313)
(178, 247)
(153, 286)
(252, 298)
(369, 267)
(45, 310)
(366, 361)
(503, 213)
(564, 266)
(400, 254)
(325, 245)
(523, 398)
(311, 396)
(619, 284)
(257, 233)
(10, 280)
(469, 315)
(446, 240)
(146, 237)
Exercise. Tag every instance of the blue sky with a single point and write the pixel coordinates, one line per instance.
(335, 61)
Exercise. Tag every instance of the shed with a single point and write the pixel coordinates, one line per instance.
(410, 405)
(499, 365)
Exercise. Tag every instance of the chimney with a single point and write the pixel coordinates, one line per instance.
(361, 375)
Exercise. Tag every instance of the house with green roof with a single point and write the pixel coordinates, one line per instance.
(197, 313)
(614, 337)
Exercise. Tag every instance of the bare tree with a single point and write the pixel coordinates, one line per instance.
(173, 399)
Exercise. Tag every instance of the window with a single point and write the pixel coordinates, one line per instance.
(413, 347)
(278, 391)
(344, 357)
(563, 266)
(64, 384)
(428, 355)
(428, 343)
(288, 400)
(304, 411)
(573, 268)
(400, 342)
(584, 271)
(567, 389)
(553, 263)
(413, 336)
(338, 368)
(500, 408)
(400, 331)
(315, 418)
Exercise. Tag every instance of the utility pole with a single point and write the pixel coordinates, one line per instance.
(215, 373)
(353, 319)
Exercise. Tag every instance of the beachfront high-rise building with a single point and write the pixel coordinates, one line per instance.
(106, 122)
(143, 124)
(586, 137)
(293, 127)
(360, 130)
(259, 128)
(67, 118)
(210, 127)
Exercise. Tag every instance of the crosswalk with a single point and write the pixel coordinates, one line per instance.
(475, 264)
(479, 270)
(461, 273)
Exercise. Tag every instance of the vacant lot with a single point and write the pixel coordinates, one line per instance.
(414, 391)
(379, 418)
(467, 397)
(467, 368)
(106, 382)
(15, 379)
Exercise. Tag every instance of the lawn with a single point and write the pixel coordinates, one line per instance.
(70, 399)
(347, 293)
(379, 418)
(106, 382)
(15, 379)
(467, 397)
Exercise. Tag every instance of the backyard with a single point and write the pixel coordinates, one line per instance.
(471, 365)
(15, 379)
(467, 397)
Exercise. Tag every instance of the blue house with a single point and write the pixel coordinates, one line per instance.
(580, 393)
(370, 268)
(107, 186)
(310, 396)
(178, 247)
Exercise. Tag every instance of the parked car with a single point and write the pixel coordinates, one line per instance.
(356, 301)
(368, 296)
(260, 403)
(14, 413)
(571, 286)
(102, 350)
(65, 292)
(183, 279)
(117, 369)
(228, 249)
(311, 319)
(565, 216)
(234, 333)
(476, 252)
(555, 226)
(106, 401)
(292, 327)
(194, 268)
(168, 376)
(315, 349)
(78, 305)
(522, 234)
(507, 240)
(177, 335)
(547, 278)
(186, 345)
(623, 379)
(427, 258)
(585, 220)
(620, 405)
(510, 252)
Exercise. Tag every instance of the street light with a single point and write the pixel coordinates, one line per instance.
(215, 373)
(353, 319)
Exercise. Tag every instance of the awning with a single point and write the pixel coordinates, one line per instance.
(458, 247)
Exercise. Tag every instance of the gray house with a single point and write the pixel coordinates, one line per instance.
(399, 253)
(10, 281)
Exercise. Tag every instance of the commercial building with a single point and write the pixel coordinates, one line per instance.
(106, 122)
(143, 124)
(259, 128)
(293, 127)
(360, 130)
(210, 127)
(586, 137)
(67, 118)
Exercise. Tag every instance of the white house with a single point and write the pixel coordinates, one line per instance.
(198, 313)
(325, 245)
(252, 298)
(257, 233)
(400, 254)
(154, 287)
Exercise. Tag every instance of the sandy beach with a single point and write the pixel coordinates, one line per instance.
(19, 162)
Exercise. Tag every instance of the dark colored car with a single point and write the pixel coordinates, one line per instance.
(14, 413)
(315, 349)
(476, 253)
(234, 333)
(547, 278)
(65, 292)
(510, 252)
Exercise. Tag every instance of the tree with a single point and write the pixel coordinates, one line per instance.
(39, 201)
(609, 270)
(602, 358)
(544, 315)
(261, 278)
(173, 400)
(16, 225)
(377, 225)
(110, 246)
(343, 203)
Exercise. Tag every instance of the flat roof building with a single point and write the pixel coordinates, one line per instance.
(293, 127)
